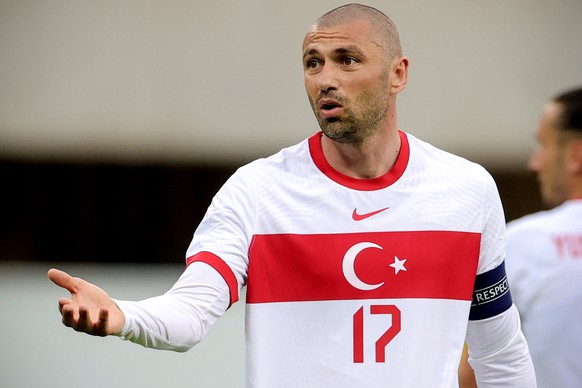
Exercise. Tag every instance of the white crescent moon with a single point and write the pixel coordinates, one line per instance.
(348, 266)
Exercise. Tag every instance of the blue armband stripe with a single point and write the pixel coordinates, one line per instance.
(491, 295)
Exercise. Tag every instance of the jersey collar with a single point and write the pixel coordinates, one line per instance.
(360, 184)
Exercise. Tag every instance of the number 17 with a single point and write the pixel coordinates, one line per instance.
(384, 339)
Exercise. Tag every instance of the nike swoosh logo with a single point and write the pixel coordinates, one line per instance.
(360, 217)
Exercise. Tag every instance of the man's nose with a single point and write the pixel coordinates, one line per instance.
(533, 163)
(327, 79)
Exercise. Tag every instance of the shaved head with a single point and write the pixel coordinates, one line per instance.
(382, 25)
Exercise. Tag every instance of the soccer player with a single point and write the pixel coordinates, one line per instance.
(544, 249)
(360, 246)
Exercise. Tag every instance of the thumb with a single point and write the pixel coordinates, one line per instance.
(63, 279)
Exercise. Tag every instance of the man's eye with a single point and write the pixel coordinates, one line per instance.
(311, 63)
(348, 61)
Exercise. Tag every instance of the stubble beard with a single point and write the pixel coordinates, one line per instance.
(358, 124)
(355, 127)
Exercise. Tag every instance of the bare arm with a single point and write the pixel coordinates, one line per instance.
(89, 310)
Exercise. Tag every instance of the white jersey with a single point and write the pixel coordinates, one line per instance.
(350, 282)
(353, 283)
(544, 267)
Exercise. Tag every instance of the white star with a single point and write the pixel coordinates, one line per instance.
(398, 265)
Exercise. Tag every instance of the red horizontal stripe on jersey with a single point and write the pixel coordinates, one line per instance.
(294, 267)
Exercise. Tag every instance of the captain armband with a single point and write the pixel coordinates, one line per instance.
(491, 295)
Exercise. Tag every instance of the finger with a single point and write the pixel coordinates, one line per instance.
(62, 303)
(63, 279)
(101, 327)
(84, 321)
(68, 314)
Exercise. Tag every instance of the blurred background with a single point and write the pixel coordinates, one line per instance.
(119, 120)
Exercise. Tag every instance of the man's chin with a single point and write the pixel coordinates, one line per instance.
(335, 135)
(331, 120)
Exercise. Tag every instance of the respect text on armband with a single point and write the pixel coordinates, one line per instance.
(491, 295)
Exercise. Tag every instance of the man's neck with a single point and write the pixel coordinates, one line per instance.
(371, 159)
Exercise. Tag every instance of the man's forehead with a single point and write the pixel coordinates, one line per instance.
(551, 112)
(354, 33)
(547, 123)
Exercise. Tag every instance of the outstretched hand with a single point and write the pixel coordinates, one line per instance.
(90, 309)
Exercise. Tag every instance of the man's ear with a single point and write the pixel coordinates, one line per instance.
(399, 75)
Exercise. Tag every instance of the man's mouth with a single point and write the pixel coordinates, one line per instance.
(330, 108)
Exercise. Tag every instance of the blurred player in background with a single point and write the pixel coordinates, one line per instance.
(359, 246)
(544, 250)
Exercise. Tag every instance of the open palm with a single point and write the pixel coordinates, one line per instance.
(90, 309)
